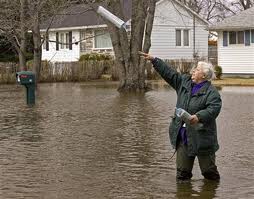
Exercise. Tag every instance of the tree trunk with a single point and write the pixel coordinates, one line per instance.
(147, 38)
(22, 56)
(37, 47)
(23, 41)
(131, 66)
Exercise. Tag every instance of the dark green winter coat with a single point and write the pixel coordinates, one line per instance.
(206, 104)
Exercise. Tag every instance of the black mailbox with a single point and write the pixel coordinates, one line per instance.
(27, 78)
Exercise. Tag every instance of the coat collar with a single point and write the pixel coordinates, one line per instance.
(202, 91)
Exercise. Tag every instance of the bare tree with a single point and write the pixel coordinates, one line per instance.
(13, 16)
(217, 10)
(40, 10)
(126, 45)
(132, 71)
(23, 32)
(17, 17)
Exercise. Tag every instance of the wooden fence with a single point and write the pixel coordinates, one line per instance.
(81, 71)
(76, 71)
(8, 72)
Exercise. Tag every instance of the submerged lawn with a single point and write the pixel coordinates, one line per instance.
(230, 81)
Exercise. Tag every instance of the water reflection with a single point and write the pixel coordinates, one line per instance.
(203, 189)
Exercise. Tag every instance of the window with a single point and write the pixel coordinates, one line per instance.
(236, 37)
(182, 37)
(67, 40)
(225, 38)
(186, 37)
(232, 37)
(102, 39)
(178, 38)
(83, 41)
(64, 40)
(240, 37)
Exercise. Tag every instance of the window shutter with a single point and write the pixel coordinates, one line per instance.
(225, 38)
(252, 36)
(70, 40)
(57, 41)
(47, 41)
(247, 37)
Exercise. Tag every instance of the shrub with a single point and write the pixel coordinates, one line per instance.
(218, 71)
(9, 58)
(95, 57)
(29, 56)
(30, 63)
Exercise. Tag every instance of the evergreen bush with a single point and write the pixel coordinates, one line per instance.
(95, 57)
(218, 71)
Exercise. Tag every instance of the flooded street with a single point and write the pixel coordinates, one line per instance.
(85, 140)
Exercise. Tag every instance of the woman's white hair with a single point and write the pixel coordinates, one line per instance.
(207, 69)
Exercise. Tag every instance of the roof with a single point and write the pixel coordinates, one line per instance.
(82, 15)
(187, 8)
(242, 20)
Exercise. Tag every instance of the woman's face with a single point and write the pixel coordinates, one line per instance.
(198, 75)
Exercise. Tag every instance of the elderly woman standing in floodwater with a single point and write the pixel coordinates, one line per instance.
(199, 97)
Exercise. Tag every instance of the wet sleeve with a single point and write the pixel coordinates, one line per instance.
(170, 75)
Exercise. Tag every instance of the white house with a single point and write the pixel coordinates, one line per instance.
(236, 43)
(178, 33)
(77, 32)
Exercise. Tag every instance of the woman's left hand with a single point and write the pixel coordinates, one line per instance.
(194, 119)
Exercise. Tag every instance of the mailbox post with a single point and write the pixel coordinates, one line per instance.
(27, 78)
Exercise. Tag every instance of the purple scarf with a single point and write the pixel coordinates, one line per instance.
(197, 87)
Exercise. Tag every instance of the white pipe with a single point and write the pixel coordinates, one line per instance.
(111, 17)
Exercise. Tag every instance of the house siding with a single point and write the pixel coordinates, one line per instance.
(235, 59)
(88, 42)
(167, 20)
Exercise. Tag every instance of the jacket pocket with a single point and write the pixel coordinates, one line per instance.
(205, 141)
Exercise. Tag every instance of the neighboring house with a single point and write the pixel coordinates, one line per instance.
(236, 43)
(178, 33)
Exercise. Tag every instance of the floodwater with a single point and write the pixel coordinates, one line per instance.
(85, 140)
